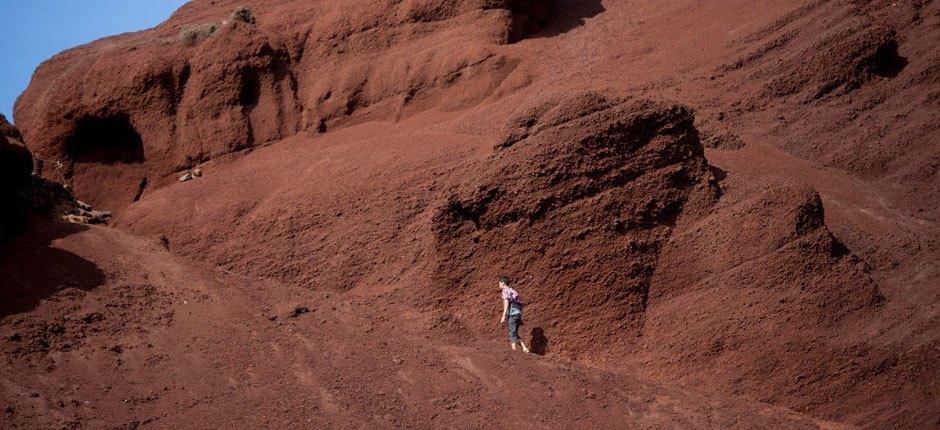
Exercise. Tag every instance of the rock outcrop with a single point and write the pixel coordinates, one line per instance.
(129, 113)
(576, 202)
(25, 196)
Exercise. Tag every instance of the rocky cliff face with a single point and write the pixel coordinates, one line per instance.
(577, 202)
(128, 114)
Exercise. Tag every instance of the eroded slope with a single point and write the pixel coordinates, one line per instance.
(394, 176)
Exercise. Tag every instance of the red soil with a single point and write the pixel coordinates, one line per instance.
(382, 162)
(142, 338)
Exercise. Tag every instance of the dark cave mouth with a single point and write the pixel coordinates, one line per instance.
(105, 140)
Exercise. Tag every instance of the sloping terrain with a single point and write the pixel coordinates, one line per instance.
(133, 336)
(718, 205)
(207, 83)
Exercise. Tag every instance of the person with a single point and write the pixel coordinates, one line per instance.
(512, 311)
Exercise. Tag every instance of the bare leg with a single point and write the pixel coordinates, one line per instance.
(525, 349)
(513, 345)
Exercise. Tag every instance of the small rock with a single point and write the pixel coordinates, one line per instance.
(92, 318)
(75, 219)
(197, 172)
(15, 337)
(117, 349)
(298, 311)
(103, 215)
(188, 176)
(99, 217)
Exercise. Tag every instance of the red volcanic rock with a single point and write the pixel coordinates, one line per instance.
(841, 60)
(576, 203)
(866, 72)
(383, 161)
(127, 113)
(606, 213)
(757, 297)
(26, 197)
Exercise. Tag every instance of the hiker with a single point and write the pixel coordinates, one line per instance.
(512, 309)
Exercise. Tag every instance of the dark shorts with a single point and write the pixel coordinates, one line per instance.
(514, 321)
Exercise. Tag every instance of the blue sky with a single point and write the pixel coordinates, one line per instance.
(34, 30)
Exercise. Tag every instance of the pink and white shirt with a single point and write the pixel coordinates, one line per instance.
(515, 302)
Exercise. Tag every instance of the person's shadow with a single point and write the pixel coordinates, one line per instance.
(539, 342)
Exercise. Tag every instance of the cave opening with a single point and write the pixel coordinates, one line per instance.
(105, 140)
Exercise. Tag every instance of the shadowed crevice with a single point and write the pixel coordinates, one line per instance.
(105, 140)
(566, 15)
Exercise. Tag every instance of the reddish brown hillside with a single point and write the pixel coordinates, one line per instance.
(206, 83)
(576, 202)
(139, 338)
(735, 198)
